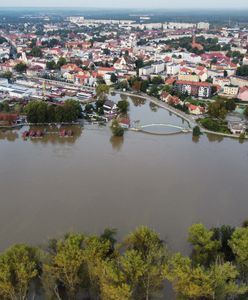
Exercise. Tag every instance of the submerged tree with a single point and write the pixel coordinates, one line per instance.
(153, 255)
(116, 128)
(18, 268)
(64, 267)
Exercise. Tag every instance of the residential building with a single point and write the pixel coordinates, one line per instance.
(203, 26)
(231, 90)
(196, 89)
(172, 69)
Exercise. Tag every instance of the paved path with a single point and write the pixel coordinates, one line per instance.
(191, 121)
(188, 118)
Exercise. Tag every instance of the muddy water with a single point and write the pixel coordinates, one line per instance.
(51, 186)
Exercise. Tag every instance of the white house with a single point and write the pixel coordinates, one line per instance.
(172, 69)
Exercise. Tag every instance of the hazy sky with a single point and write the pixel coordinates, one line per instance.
(224, 4)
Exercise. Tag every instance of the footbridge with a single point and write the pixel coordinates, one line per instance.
(148, 128)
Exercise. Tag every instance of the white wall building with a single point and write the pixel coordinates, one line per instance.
(172, 69)
(203, 26)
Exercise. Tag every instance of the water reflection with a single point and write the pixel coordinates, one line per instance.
(214, 138)
(195, 139)
(117, 142)
(137, 101)
(9, 135)
(123, 97)
(153, 107)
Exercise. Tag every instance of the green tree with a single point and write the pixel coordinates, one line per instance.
(51, 65)
(113, 78)
(59, 114)
(139, 63)
(188, 282)
(242, 71)
(230, 105)
(205, 248)
(123, 84)
(102, 89)
(36, 52)
(18, 268)
(50, 114)
(61, 62)
(36, 112)
(154, 90)
(154, 256)
(168, 89)
(196, 131)
(7, 75)
(21, 67)
(6, 107)
(239, 246)
(223, 234)
(72, 110)
(96, 251)
(116, 129)
(157, 80)
(144, 86)
(65, 267)
(122, 275)
(123, 106)
(224, 281)
(112, 283)
(219, 281)
(89, 108)
(217, 109)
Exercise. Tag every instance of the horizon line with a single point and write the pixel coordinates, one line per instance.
(125, 7)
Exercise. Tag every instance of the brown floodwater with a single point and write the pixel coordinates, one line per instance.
(54, 185)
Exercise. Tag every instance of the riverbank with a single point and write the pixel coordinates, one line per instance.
(188, 118)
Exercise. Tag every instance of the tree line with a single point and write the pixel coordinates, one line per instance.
(80, 266)
(43, 112)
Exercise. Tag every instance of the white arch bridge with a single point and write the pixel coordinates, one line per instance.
(145, 128)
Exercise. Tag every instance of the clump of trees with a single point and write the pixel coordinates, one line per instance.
(123, 106)
(21, 67)
(196, 131)
(242, 71)
(221, 107)
(6, 75)
(215, 125)
(217, 109)
(102, 89)
(36, 52)
(42, 112)
(80, 266)
(116, 128)
(52, 65)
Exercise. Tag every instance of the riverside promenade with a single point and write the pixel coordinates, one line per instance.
(188, 118)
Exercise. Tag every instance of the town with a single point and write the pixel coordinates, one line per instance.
(124, 133)
(200, 70)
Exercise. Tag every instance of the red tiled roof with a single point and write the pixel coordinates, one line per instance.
(185, 82)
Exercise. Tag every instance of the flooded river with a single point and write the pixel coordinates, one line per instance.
(54, 185)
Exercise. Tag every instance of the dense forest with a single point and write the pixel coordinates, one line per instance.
(80, 266)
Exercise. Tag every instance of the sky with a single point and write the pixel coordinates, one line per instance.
(169, 4)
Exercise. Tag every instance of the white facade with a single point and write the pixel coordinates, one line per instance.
(172, 69)
(148, 70)
(203, 26)
(175, 25)
(158, 67)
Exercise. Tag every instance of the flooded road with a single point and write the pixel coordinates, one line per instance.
(53, 185)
